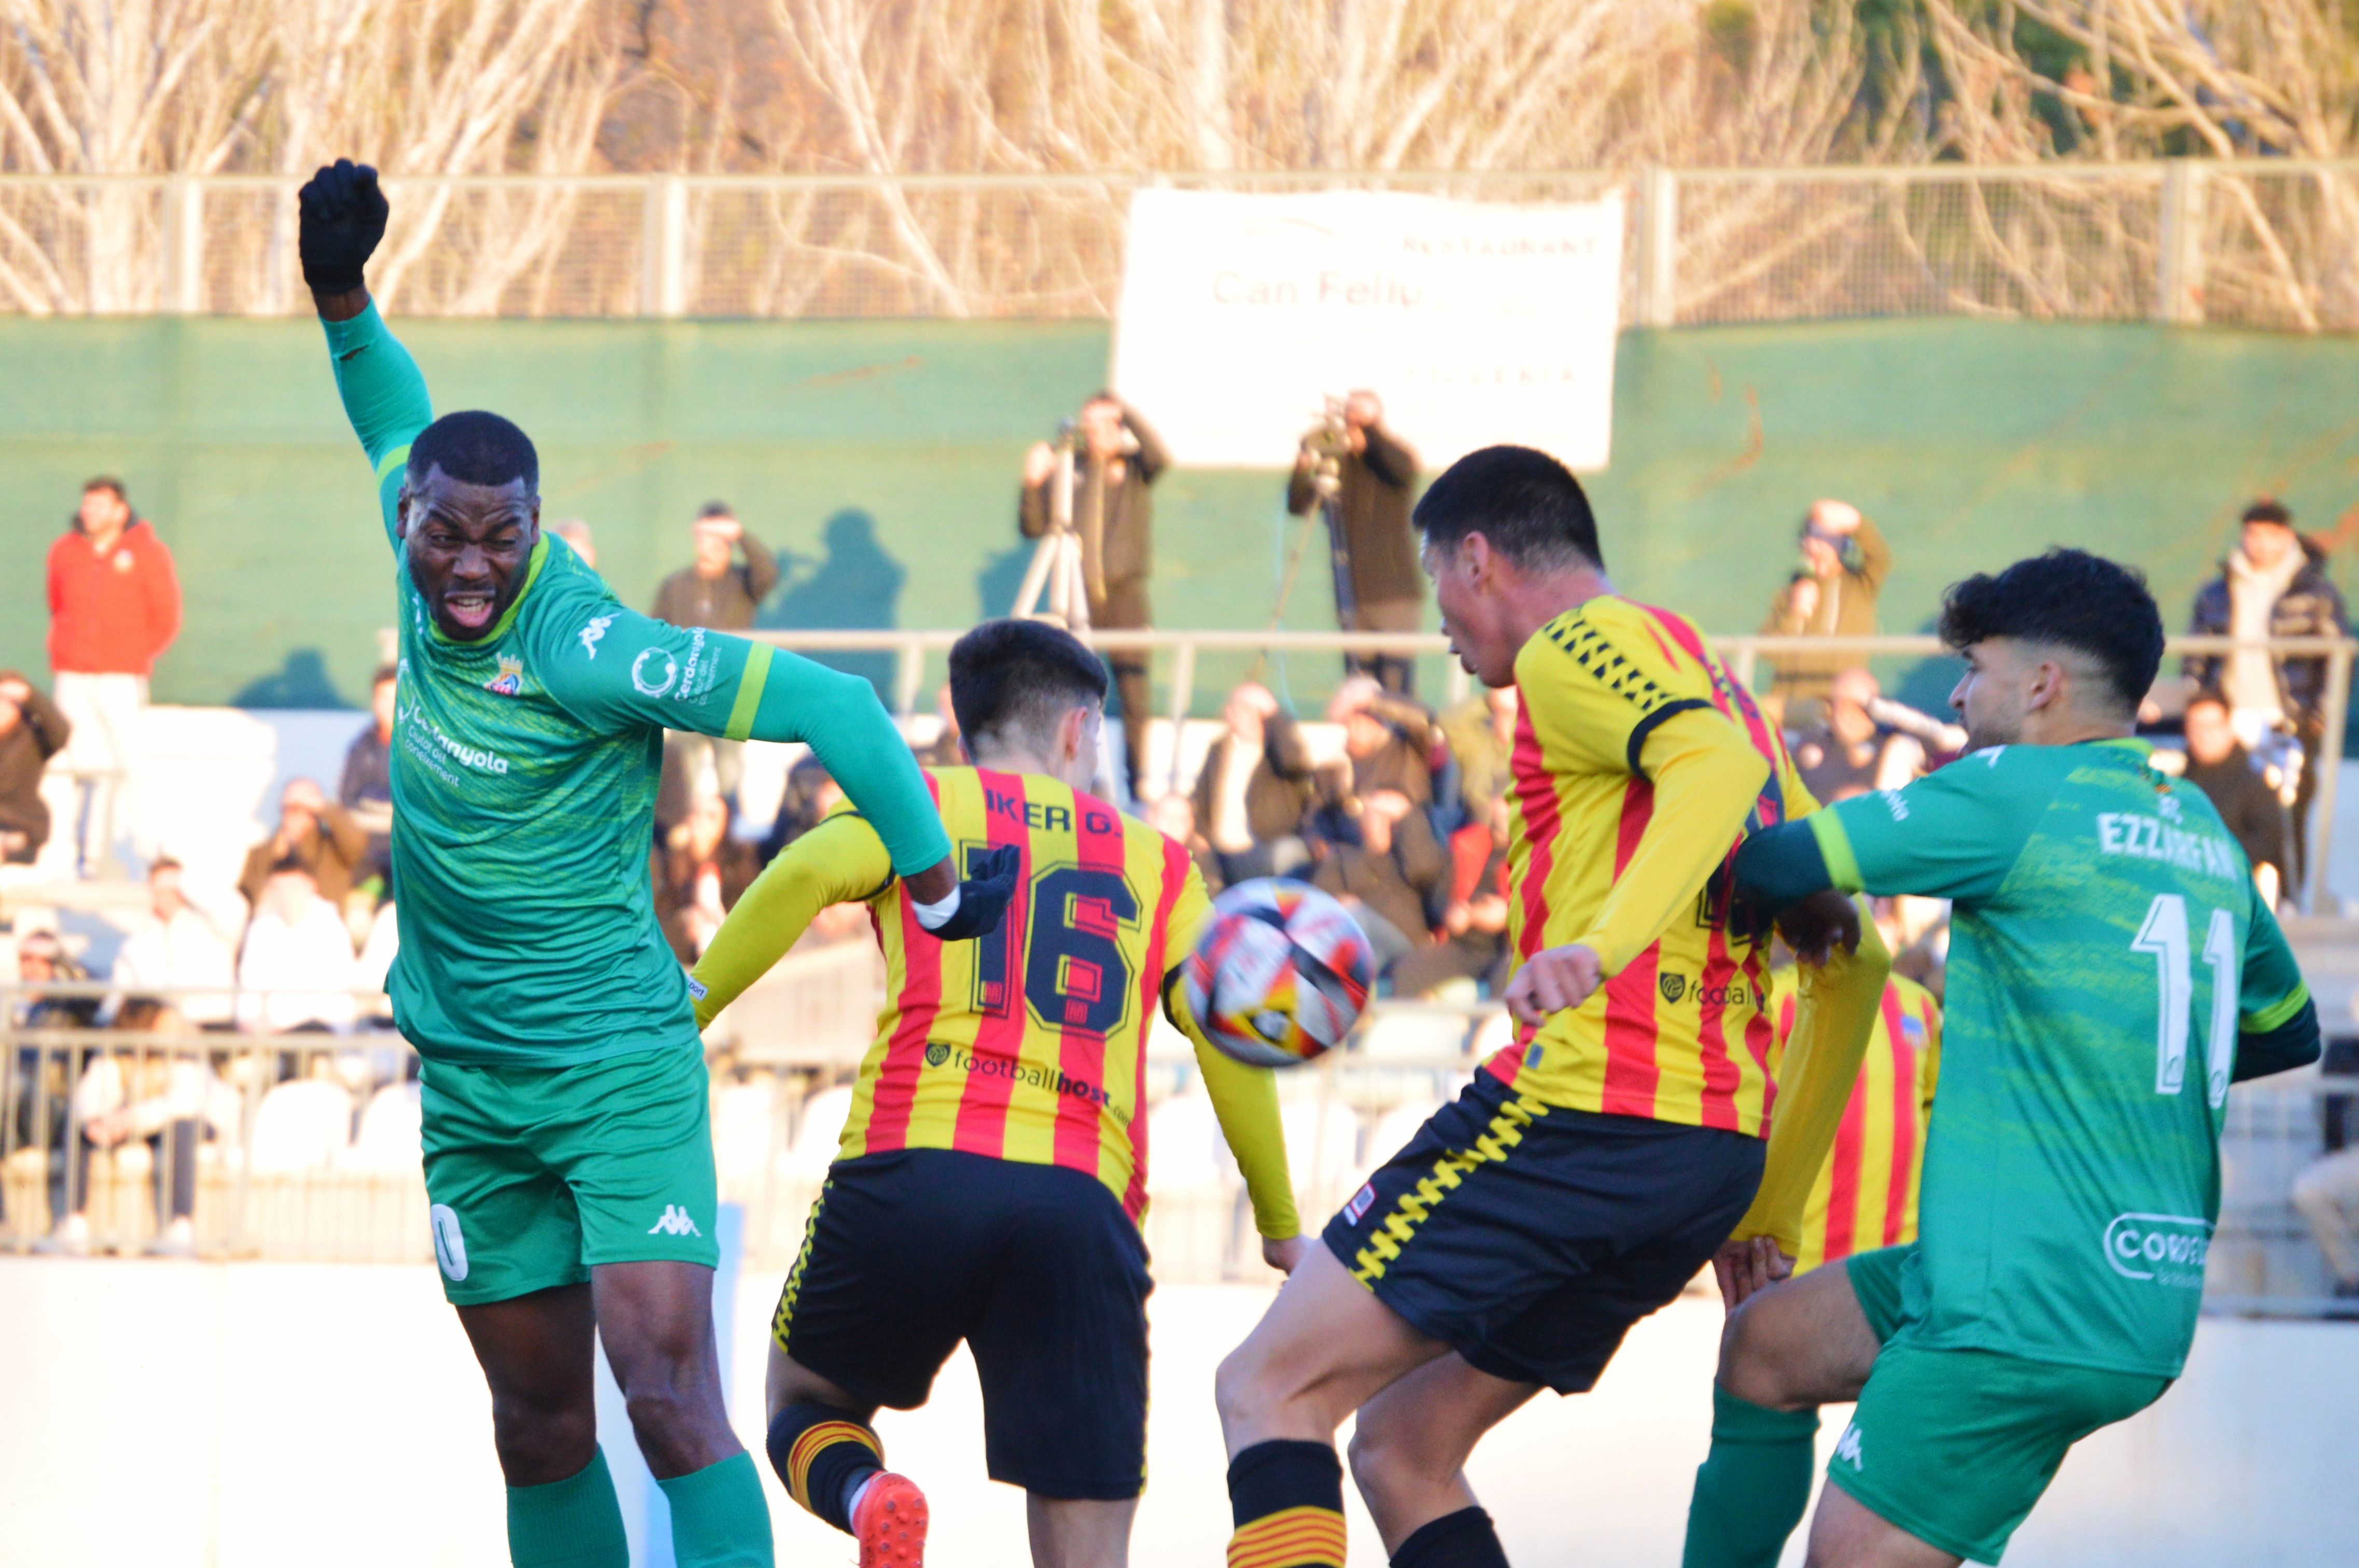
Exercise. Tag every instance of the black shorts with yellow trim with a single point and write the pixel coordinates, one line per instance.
(1529, 1238)
(1036, 1267)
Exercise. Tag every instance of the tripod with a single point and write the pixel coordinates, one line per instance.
(1055, 569)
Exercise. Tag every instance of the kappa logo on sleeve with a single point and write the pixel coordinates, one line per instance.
(593, 633)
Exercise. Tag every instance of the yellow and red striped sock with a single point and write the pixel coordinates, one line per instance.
(823, 1456)
(1287, 1496)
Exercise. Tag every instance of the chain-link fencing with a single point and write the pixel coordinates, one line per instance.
(2267, 243)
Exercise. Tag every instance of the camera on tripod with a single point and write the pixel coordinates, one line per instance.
(1327, 444)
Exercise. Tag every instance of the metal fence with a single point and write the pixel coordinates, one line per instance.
(2253, 243)
(305, 1146)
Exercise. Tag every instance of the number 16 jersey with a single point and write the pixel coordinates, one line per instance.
(1027, 1044)
(2107, 949)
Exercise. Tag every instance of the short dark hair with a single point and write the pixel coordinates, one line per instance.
(2070, 599)
(1524, 502)
(2268, 509)
(109, 482)
(715, 509)
(2203, 694)
(1020, 676)
(475, 446)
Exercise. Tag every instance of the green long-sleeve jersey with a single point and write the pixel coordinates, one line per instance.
(524, 780)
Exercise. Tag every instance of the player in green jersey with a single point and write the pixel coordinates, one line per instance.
(2112, 970)
(569, 1156)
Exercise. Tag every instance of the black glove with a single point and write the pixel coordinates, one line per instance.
(983, 897)
(343, 215)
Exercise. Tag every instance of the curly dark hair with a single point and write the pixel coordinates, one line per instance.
(2068, 599)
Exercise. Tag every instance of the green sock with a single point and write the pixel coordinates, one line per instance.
(1753, 1487)
(572, 1523)
(719, 1518)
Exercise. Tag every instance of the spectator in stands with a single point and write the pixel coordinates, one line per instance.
(1118, 458)
(718, 590)
(321, 836)
(723, 593)
(44, 1079)
(1481, 734)
(114, 605)
(32, 730)
(366, 788)
(297, 969)
(1831, 593)
(2273, 584)
(1362, 473)
(810, 795)
(701, 871)
(1474, 938)
(1255, 789)
(171, 1103)
(1388, 739)
(2218, 764)
(1174, 817)
(1846, 752)
(1384, 872)
(943, 750)
(2326, 1194)
(576, 533)
(178, 946)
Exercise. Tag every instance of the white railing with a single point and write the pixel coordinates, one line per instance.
(2253, 242)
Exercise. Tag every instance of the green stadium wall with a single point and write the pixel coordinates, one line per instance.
(880, 458)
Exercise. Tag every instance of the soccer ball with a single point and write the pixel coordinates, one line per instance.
(1279, 974)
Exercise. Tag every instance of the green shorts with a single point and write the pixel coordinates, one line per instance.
(537, 1174)
(1955, 1446)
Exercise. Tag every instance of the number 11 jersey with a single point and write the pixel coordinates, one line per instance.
(2108, 947)
(1029, 1044)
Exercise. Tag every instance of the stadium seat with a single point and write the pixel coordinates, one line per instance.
(1421, 1039)
(1185, 1151)
(1322, 1148)
(388, 1140)
(821, 1128)
(742, 1125)
(301, 1126)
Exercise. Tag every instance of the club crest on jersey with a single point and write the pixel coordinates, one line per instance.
(509, 682)
(1673, 987)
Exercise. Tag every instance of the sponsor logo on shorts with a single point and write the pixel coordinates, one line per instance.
(1037, 1074)
(1847, 1448)
(2167, 1249)
(674, 1222)
(1361, 1201)
(449, 1247)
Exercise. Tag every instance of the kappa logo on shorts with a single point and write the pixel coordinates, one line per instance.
(1361, 1202)
(674, 1222)
(1847, 1448)
(449, 1247)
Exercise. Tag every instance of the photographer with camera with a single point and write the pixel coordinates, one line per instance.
(1085, 498)
(1360, 474)
(1830, 593)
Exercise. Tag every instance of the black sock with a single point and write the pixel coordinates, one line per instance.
(1287, 1496)
(823, 1456)
(1462, 1540)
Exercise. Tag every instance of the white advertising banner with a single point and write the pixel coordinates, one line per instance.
(1476, 323)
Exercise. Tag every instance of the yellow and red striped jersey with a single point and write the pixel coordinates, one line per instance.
(1029, 1044)
(1598, 855)
(1865, 1195)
